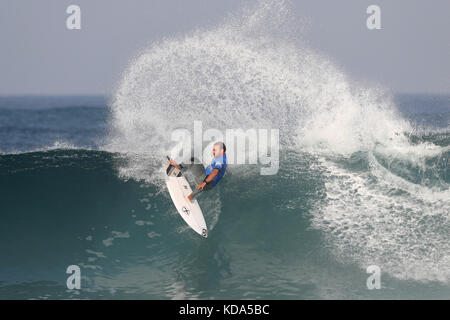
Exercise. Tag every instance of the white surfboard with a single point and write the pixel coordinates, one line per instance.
(179, 189)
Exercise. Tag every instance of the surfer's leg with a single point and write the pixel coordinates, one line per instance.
(196, 167)
(195, 193)
(198, 191)
(198, 171)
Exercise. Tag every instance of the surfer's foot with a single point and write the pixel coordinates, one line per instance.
(190, 197)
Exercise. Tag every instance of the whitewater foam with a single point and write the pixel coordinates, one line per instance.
(375, 217)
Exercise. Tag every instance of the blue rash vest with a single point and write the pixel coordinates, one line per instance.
(219, 163)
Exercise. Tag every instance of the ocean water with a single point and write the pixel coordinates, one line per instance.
(363, 180)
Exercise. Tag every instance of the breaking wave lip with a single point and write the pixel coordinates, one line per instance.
(260, 81)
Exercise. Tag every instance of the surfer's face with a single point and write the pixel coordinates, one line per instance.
(217, 151)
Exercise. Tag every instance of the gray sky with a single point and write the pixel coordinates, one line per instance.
(38, 55)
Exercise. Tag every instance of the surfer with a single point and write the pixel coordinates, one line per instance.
(214, 172)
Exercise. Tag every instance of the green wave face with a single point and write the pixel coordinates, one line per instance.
(318, 222)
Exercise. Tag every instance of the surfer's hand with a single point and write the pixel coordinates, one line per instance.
(174, 164)
(201, 185)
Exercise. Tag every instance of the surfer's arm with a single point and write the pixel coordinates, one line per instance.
(208, 179)
(178, 166)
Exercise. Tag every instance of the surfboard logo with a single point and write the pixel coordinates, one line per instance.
(185, 210)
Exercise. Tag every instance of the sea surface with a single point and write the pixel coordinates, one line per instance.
(308, 232)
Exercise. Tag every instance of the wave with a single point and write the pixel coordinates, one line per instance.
(364, 212)
(352, 169)
(240, 75)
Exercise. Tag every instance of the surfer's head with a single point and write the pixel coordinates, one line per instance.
(219, 149)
